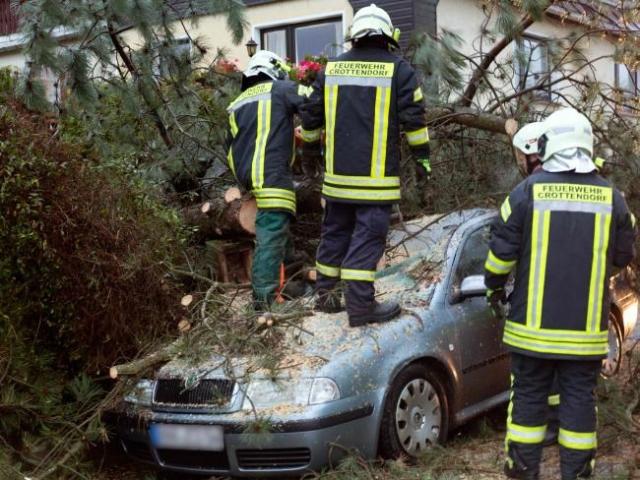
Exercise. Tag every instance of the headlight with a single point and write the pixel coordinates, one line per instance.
(142, 394)
(265, 393)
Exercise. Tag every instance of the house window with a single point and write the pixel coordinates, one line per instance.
(533, 65)
(296, 41)
(627, 80)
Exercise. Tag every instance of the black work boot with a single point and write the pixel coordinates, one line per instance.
(328, 302)
(519, 472)
(376, 313)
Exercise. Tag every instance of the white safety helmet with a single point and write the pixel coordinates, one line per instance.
(526, 140)
(564, 129)
(268, 63)
(373, 20)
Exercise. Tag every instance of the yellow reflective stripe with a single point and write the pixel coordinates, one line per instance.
(232, 166)
(554, 400)
(498, 266)
(380, 132)
(577, 440)
(327, 270)
(633, 220)
(560, 348)
(310, 136)
(537, 268)
(553, 335)
(233, 123)
(362, 181)
(260, 148)
(274, 192)
(418, 137)
(358, 275)
(279, 203)
(330, 109)
(598, 270)
(522, 434)
(599, 161)
(355, 194)
(505, 210)
(253, 94)
(418, 96)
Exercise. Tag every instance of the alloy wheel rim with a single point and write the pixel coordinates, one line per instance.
(418, 416)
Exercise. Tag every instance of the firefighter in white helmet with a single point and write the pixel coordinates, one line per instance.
(260, 149)
(363, 99)
(564, 230)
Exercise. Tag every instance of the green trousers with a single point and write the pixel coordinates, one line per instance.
(273, 248)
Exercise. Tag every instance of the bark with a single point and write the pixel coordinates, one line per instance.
(138, 366)
(469, 117)
(234, 214)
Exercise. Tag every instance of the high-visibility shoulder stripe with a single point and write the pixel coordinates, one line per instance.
(233, 124)
(357, 275)
(496, 265)
(256, 93)
(577, 440)
(505, 210)
(418, 137)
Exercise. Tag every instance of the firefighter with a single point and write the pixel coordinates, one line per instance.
(363, 99)
(564, 229)
(260, 155)
(525, 143)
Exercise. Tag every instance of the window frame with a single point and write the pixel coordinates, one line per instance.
(291, 24)
(543, 93)
(625, 95)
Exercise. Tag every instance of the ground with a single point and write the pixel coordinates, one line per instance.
(476, 452)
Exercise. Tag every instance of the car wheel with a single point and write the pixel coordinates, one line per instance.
(416, 413)
(611, 364)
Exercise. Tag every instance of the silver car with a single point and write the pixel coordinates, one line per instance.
(388, 389)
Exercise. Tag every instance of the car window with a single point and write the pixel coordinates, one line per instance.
(473, 255)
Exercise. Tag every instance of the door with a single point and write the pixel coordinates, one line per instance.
(484, 360)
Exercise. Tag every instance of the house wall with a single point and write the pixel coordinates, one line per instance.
(214, 34)
(466, 19)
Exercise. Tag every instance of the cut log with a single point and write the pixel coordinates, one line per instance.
(219, 218)
(138, 366)
(232, 194)
(469, 117)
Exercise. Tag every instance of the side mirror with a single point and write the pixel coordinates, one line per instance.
(473, 286)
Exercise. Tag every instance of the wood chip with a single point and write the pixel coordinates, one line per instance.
(186, 300)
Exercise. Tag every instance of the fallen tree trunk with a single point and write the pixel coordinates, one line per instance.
(469, 117)
(234, 214)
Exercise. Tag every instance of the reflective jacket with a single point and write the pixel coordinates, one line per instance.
(362, 99)
(261, 148)
(563, 233)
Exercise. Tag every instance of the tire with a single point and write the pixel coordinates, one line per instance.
(407, 428)
(611, 364)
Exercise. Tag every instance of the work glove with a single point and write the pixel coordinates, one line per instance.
(497, 300)
(423, 169)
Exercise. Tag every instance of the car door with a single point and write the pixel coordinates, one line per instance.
(483, 357)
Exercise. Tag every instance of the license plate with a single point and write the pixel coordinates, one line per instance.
(187, 437)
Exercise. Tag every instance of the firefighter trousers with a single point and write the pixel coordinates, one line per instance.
(352, 243)
(532, 380)
(273, 248)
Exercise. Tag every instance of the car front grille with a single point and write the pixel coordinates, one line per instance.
(194, 459)
(138, 450)
(272, 459)
(215, 392)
